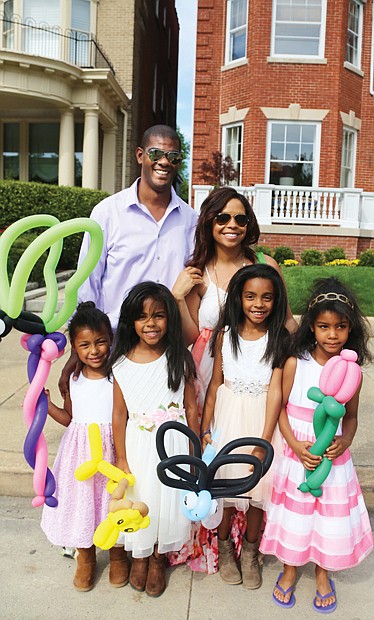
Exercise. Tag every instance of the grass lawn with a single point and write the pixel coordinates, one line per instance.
(300, 280)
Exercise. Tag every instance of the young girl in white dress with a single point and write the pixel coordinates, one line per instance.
(244, 399)
(332, 531)
(153, 383)
(83, 505)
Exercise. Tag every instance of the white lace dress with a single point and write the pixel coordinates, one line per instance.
(150, 402)
(240, 412)
(81, 505)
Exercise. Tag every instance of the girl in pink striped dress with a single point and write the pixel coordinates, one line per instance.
(332, 531)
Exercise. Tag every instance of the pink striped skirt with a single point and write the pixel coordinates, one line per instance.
(333, 530)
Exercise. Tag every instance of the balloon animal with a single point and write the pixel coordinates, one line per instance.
(338, 382)
(97, 464)
(199, 503)
(41, 339)
(124, 516)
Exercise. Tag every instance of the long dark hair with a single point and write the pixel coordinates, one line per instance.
(89, 317)
(232, 315)
(212, 205)
(179, 359)
(344, 304)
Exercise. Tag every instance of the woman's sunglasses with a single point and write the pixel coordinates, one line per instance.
(173, 157)
(224, 218)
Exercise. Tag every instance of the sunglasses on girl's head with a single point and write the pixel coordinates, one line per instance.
(173, 157)
(224, 218)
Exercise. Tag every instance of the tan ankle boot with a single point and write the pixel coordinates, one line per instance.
(227, 566)
(85, 573)
(250, 566)
(119, 567)
(156, 583)
(138, 573)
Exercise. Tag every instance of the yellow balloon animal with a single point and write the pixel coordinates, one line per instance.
(90, 468)
(124, 516)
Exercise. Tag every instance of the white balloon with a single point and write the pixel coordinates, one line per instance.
(213, 520)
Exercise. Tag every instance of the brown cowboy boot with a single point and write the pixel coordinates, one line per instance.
(156, 583)
(85, 573)
(138, 573)
(118, 567)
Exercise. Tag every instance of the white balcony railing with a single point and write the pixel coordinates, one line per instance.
(275, 204)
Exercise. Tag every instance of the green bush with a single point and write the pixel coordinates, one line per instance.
(15, 253)
(366, 258)
(265, 249)
(312, 257)
(282, 253)
(334, 253)
(19, 199)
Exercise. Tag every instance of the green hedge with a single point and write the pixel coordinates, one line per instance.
(19, 199)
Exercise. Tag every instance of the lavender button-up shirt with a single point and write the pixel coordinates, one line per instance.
(136, 248)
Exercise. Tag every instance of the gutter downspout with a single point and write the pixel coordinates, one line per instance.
(124, 146)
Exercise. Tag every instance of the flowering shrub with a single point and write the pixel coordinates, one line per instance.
(343, 261)
(289, 262)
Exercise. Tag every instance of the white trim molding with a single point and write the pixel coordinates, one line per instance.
(294, 112)
(233, 115)
(351, 120)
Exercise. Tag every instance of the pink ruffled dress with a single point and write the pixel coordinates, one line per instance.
(333, 530)
(81, 505)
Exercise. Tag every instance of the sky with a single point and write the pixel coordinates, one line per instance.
(187, 13)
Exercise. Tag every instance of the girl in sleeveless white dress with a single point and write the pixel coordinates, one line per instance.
(153, 383)
(244, 399)
(224, 242)
(82, 506)
(332, 530)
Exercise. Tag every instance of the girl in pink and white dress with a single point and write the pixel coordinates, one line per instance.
(153, 383)
(332, 531)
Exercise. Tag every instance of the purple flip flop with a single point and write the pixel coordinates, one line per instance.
(292, 600)
(329, 608)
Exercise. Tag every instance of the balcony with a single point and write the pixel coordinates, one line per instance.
(80, 49)
(346, 208)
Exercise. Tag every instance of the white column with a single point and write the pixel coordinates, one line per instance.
(263, 200)
(66, 149)
(90, 149)
(109, 160)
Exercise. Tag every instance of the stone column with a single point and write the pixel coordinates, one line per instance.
(90, 149)
(66, 149)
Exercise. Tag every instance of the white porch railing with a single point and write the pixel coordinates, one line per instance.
(275, 204)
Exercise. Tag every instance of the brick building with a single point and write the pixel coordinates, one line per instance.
(285, 87)
(80, 81)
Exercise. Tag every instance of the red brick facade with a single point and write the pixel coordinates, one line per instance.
(326, 86)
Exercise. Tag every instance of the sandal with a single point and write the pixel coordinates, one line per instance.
(292, 600)
(328, 609)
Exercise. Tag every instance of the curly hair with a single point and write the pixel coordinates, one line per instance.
(212, 205)
(90, 317)
(330, 294)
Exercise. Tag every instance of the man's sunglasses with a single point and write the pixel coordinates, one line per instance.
(173, 157)
(224, 218)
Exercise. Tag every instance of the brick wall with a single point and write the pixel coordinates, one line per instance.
(352, 246)
(260, 83)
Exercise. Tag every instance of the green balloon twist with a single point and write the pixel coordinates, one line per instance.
(325, 424)
(12, 295)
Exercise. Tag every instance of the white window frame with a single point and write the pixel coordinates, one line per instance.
(236, 162)
(316, 152)
(228, 47)
(321, 47)
(356, 62)
(349, 133)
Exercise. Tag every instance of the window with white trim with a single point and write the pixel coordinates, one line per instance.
(293, 153)
(298, 28)
(37, 40)
(236, 30)
(354, 33)
(80, 24)
(347, 170)
(232, 141)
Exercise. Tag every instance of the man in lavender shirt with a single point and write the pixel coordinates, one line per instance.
(148, 231)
